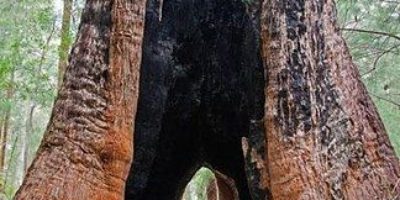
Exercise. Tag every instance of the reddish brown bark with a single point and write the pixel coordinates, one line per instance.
(212, 190)
(87, 148)
(324, 137)
(222, 188)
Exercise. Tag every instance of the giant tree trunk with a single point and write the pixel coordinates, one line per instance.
(87, 148)
(324, 137)
(200, 95)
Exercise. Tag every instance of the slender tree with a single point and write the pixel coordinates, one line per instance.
(6, 121)
(24, 137)
(87, 148)
(324, 138)
(5, 126)
(65, 40)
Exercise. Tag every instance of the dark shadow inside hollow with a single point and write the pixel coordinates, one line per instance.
(202, 84)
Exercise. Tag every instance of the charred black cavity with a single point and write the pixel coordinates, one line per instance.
(202, 84)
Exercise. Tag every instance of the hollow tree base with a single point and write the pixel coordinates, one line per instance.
(202, 86)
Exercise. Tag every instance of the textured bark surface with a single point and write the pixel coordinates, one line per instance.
(222, 188)
(87, 148)
(324, 137)
(212, 190)
(201, 103)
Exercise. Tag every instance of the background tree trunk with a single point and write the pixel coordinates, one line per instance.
(24, 145)
(6, 121)
(4, 133)
(65, 40)
(87, 148)
(29, 129)
(5, 126)
(324, 137)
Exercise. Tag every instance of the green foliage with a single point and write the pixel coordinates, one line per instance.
(197, 187)
(30, 36)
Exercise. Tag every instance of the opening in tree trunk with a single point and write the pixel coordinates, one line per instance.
(201, 92)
